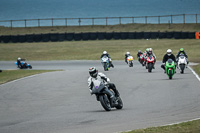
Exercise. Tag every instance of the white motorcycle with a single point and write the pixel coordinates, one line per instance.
(105, 63)
(182, 63)
(130, 61)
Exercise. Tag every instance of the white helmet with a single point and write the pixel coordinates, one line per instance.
(19, 58)
(104, 52)
(127, 52)
(169, 52)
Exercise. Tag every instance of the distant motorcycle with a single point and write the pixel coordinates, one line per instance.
(170, 68)
(130, 61)
(150, 63)
(105, 63)
(103, 94)
(182, 63)
(141, 59)
(24, 65)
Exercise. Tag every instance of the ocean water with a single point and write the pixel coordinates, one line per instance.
(42, 9)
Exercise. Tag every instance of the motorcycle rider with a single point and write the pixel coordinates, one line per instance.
(127, 55)
(139, 54)
(149, 52)
(106, 54)
(19, 62)
(94, 75)
(181, 51)
(167, 56)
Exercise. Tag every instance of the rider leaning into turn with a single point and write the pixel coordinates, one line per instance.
(181, 51)
(127, 55)
(139, 54)
(149, 51)
(106, 54)
(94, 75)
(167, 56)
(19, 62)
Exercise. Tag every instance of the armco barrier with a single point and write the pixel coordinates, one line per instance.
(54, 37)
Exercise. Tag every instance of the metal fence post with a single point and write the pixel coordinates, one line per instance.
(171, 19)
(158, 19)
(92, 21)
(145, 19)
(52, 22)
(184, 18)
(196, 19)
(11, 24)
(25, 22)
(38, 22)
(79, 21)
(106, 21)
(120, 20)
(133, 20)
(66, 21)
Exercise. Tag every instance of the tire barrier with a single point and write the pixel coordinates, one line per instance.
(61, 37)
(93, 36)
(109, 35)
(101, 35)
(85, 36)
(54, 37)
(30, 38)
(69, 36)
(45, 37)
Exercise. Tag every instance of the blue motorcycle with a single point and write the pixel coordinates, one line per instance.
(23, 65)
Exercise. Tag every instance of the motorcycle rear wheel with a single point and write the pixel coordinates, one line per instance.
(182, 67)
(150, 67)
(105, 102)
(120, 103)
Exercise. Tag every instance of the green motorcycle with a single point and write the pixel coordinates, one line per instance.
(170, 68)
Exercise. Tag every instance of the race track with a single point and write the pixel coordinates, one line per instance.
(60, 102)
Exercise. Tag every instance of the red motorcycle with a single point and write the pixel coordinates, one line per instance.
(150, 63)
(141, 60)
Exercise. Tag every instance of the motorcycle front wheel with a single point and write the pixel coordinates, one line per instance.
(150, 67)
(105, 102)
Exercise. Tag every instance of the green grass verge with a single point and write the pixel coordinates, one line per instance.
(185, 127)
(101, 28)
(92, 50)
(197, 69)
(9, 75)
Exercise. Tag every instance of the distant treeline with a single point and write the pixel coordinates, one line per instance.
(55, 37)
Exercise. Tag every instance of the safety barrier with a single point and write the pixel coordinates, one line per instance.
(55, 37)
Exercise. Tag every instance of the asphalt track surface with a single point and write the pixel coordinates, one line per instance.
(60, 102)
